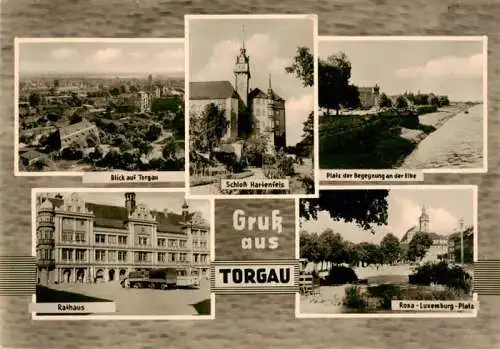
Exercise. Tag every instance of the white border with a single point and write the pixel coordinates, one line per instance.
(21, 40)
(314, 18)
(472, 314)
(484, 41)
(35, 191)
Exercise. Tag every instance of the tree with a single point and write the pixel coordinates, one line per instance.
(255, 147)
(207, 130)
(153, 133)
(384, 101)
(303, 66)
(364, 207)
(34, 100)
(51, 116)
(434, 100)
(390, 248)
(401, 103)
(115, 91)
(444, 101)
(178, 125)
(334, 74)
(310, 247)
(332, 246)
(418, 246)
(169, 148)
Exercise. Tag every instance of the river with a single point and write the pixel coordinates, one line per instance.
(456, 144)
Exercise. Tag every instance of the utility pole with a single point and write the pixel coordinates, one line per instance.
(462, 242)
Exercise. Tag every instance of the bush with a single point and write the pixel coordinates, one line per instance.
(354, 299)
(339, 275)
(386, 293)
(441, 274)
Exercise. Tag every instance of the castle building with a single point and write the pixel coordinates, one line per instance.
(248, 111)
(78, 241)
(369, 96)
(439, 247)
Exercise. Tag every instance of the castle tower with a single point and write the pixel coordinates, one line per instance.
(45, 243)
(242, 73)
(130, 202)
(185, 211)
(271, 117)
(423, 221)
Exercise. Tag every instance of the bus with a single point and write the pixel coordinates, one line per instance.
(166, 278)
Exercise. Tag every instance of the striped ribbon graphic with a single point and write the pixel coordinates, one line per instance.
(487, 277)
(287, 289)
(17, 275)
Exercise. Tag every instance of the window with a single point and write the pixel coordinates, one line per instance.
(141, 256)
(122, 256)
(172, 243)
(143, 240)
(122, 240)
(161, 242)
(80, 255)
(100, 255)
(112, 239)
(67, 254)
(100, 238)
(67, 236)
(182, 243)
(162, 257)
(80, 237)
(112, 256)
(171, 257)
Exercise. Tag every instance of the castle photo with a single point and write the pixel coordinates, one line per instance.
(250, 117)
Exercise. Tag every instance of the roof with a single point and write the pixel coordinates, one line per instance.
(414, 229)
(211, 90)
(31, 154)
(79, 126)
(109, 216)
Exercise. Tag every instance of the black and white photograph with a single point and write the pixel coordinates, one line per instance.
(388, 251)
(100, 105)
(410, 103)
(121, 254)
(251, 96)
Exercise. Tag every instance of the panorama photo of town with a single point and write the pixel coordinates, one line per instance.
(361, 249)
(402, 103)
(148, 252)
(251, 111)
(100, 105)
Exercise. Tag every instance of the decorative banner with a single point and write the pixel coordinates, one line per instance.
(487, 277)
(254, 229)
(17, 275)
(244, 277)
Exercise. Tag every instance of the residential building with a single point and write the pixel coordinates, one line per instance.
(78, 133)
(78, 241)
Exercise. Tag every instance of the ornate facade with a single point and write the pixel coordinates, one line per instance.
(78, 241)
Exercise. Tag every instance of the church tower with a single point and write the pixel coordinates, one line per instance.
(424, 221)
(242, 73)
(271, 118)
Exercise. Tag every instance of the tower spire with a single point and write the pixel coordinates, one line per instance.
(270, 87)
(243, 36)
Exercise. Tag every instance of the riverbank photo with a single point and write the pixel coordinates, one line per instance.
(121, 254)
(407, 103)
(398, 251)
(96, 107)
(251, 101)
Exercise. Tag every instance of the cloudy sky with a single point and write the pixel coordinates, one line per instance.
(444, 206)
(271, 45)
(158, 201)
(126, 58)
(452, 68)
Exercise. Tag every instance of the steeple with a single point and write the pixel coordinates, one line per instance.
(243, 38)
(242, 72)
(424, 221)
(269, 88)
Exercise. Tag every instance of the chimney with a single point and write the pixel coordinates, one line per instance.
(130, 202)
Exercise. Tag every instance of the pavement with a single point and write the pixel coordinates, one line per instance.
(145, 301)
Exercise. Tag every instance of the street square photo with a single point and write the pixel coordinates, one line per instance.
(121, 254)
(251, 104)
(99, 105)
(388, 251)
(409, 103)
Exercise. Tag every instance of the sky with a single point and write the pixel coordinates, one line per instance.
(126, 58)
(452, 68)
(158, 201)
(271, 45)
(445, 208)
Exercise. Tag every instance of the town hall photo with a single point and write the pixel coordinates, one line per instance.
(250, 96)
